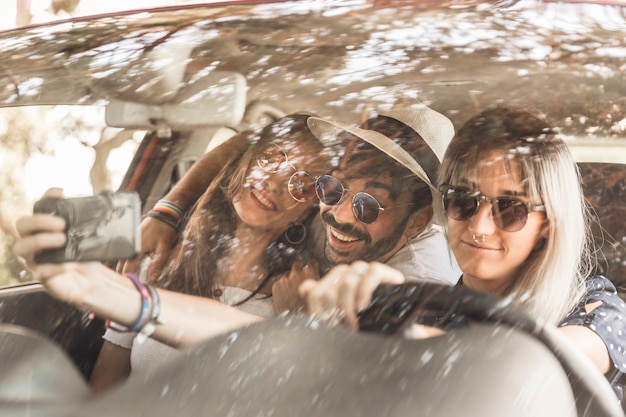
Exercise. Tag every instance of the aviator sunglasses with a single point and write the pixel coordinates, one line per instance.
(301, 185)
(508, 214)
(365, 207)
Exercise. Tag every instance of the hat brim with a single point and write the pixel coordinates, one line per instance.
(327, 131)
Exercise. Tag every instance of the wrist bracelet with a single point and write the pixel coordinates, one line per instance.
(144, 315)
(148, 329)
(167, 212)
(169, 208)
(165, 218)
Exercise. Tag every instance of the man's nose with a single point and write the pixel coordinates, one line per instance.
(343, 212)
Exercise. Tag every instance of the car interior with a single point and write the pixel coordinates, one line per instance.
(74, 338)
(192, 108)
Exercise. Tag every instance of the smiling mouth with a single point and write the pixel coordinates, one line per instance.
(261, 199)
(341, 237)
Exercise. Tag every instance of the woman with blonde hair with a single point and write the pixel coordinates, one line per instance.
(544, 186)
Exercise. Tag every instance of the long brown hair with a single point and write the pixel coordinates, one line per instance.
(209, 232)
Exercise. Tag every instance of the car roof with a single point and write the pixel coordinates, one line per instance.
(338, 58)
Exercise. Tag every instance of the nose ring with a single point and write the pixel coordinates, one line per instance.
(478, 238)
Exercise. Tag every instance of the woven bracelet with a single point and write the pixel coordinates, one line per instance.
(145, 313)
(169, 208)
(165, 218)
(148, 329)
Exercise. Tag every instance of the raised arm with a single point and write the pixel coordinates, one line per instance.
(191, 186)
(94, 287)
(159, 234)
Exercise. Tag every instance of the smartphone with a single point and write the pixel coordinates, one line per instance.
(102, 227)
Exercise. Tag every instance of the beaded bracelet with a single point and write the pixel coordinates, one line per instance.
(145, 313)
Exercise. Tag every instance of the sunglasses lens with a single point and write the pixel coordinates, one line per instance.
(328, 190)
(510, 214)
(301, 186)
(365, 208)
(459, 205)
(271, 158)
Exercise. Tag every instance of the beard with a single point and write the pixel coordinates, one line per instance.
(368, 250)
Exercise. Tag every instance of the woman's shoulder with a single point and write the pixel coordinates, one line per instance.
(599, 285)
(605, 317)
(600, 289)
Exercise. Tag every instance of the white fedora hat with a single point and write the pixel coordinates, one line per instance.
(435, 129)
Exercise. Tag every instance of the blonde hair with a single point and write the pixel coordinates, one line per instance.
(551, 281)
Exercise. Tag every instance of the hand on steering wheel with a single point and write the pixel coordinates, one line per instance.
(394, 307)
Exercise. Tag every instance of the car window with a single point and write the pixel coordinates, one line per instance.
(56, 146)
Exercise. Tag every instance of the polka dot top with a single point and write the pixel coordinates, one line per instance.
(608, 321)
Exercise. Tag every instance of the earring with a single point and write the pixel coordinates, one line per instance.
(295, 233)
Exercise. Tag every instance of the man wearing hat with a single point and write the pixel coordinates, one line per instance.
(378, 204)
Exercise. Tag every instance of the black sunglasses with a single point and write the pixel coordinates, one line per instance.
(364, 206)
(301, 184)
(509, 214)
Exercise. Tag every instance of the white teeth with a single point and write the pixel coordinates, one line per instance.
(342, 237)
(262, 199)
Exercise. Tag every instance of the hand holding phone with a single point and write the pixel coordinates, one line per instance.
(101, 227)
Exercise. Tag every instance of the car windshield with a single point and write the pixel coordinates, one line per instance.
(329, 59)
(131, 100)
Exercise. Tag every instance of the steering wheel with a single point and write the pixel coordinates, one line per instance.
(395, 307)
(296, 365)
(505, 363)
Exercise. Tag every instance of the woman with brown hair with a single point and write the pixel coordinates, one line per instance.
(243, 233)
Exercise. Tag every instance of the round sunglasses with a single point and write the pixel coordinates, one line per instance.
(301, 185)
(364, 206)
(508, 214)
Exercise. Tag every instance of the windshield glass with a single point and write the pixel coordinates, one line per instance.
(130, 101)
(565, 58)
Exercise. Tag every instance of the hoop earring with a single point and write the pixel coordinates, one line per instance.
(295, 233)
